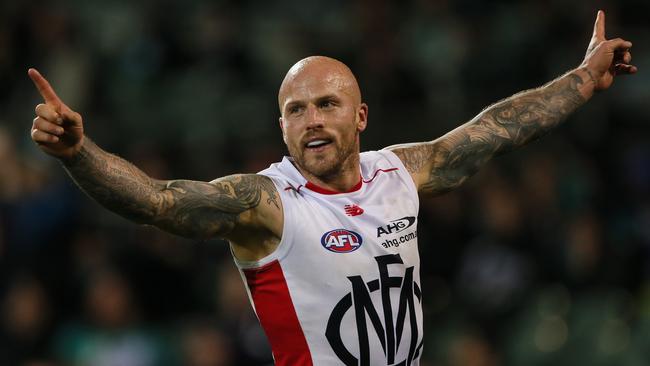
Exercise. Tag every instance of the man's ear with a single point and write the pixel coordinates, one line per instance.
(284, 136)
(362, 117)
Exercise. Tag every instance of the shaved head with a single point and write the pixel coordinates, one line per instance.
(322, 69)
(321, 118)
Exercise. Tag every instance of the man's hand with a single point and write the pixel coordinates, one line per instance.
(57, 129)
(606, 58)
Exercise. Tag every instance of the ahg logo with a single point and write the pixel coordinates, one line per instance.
(341, 241)
(396, 226)
(389, 331)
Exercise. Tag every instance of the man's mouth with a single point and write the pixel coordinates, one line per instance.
(317, 144)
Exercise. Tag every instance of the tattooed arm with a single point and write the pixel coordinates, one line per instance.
(445, 163)
(243, 208)
(187, 208)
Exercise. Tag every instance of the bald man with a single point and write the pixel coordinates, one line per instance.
(326, 239)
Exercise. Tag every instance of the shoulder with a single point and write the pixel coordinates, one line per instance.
(250, 191)
(417, 159)
(259, 228)
(414, 156)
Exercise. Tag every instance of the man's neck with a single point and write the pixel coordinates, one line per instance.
(345, 180)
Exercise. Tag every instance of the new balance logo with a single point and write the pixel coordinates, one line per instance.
(353, 210)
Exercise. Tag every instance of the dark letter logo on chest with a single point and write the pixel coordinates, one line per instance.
(389, 331)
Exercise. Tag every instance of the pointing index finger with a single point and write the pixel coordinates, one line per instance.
(44, 87)
(599, 26)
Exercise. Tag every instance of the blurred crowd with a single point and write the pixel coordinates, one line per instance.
(543, 258)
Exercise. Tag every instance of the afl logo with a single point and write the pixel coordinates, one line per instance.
(341, 241)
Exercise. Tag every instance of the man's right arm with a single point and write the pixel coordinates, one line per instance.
(188, 208)
(247, 202)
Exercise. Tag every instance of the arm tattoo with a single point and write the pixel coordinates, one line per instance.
(188, 208)
(213, 208)
(448, 161)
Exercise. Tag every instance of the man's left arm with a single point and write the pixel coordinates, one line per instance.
(445, 163)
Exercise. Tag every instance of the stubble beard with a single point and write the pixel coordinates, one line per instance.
(328, 166)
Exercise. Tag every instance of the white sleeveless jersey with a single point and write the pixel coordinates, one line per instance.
(343, 286)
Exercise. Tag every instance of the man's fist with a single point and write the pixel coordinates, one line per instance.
(57, 129)
(607, 58)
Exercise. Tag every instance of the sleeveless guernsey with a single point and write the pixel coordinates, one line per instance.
(343, 286)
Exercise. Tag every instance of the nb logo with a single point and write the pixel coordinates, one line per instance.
(389, 331)
(353, 210)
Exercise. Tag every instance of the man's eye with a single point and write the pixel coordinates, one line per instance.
(294, 110)
(326, 104)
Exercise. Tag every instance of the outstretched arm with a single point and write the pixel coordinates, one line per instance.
(188, 208)
(443, 164)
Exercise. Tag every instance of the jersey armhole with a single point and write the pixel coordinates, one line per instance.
(287, 233)
(404, 174)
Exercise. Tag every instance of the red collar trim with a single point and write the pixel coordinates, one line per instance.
(322, 190)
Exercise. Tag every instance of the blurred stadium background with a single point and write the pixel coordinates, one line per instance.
(543, 258)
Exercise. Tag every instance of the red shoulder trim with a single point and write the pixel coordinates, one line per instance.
(377, 172)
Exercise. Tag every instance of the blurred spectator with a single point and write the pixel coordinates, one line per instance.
(26, 321)
(110, 333)
(204, 345)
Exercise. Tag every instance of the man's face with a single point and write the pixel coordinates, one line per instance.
(321, 120)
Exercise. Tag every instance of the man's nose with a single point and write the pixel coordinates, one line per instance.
(315, 117)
